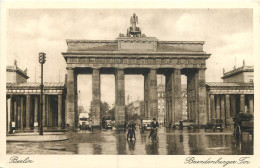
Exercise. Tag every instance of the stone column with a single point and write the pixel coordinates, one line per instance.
(47, 111)
(36, 109)
(228, 118)
(96, 103)
(189, 96)
(196, 97)
(15, 112)
(11, 110)
(50, 116)
(146, 94)
(242, 103)
(59, 110)
(168, 94)
(71, 96)
(176, 96)
(188, 105)
(7, 114)
(18, 112)
(212, 106)
(218, 107)
(192, 96)
(233, 105)
(222, 109)
(202, 107)
(153, 95)
(44, 111)
(22, 113)
(120, 97)
(28, 112)
(208, 108)
(251, 104)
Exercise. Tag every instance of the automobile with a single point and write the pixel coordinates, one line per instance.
(108, 124)
(214, 124)
(83, 124)
(145, 125)
(186, 123)
(244, 122)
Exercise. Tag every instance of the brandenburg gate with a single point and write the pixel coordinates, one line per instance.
(134, 53)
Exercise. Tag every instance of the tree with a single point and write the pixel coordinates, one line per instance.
(111, 113)
(104, 108)
(81, 109)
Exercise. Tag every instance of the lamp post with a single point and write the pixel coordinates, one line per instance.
(42, 59)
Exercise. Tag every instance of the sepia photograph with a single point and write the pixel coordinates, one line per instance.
(129, 81)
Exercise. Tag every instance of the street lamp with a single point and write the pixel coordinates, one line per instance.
(42, 59)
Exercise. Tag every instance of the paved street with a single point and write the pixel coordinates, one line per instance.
(171, 142)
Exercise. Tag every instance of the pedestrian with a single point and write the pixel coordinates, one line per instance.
(180, 125)
(131, 129)
(154, 125)
(90, 125)
(13, 127)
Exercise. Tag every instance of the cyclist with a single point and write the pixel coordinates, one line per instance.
(131, 128)
(154, 125)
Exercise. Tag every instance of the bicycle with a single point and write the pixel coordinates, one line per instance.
(154, 136)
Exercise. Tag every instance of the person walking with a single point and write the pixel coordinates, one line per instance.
(154, 125)
(90, 125)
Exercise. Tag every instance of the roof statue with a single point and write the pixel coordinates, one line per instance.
(134, 31)
(134, 19)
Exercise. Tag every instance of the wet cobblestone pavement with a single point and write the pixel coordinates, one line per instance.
(109, 142)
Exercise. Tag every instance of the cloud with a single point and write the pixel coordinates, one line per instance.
(227, 33)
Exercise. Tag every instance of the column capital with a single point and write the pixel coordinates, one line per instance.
(120, 68)
(204, 68)
(70, 68)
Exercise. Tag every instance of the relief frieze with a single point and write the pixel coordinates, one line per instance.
(125, 61)
(92, 60)
(117, 61)
(182, 61)
(158, 61)
(142, 61)
(174, 61)
(150, 61)
(133, 61)
(190, 62)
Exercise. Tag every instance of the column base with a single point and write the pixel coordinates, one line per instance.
(27, 129)
(228, 122)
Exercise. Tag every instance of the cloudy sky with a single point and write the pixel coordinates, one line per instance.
(228, 36)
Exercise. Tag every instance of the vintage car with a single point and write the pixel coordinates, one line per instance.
(108, 124)
(145, 125)
(243, 122)
(185, 124)
(215, 124)
(83, 124)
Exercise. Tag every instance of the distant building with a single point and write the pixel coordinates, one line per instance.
(244, 74)
(23, 102)
(161, 102)
(136, 107)
(234, 95)
(15, 74)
